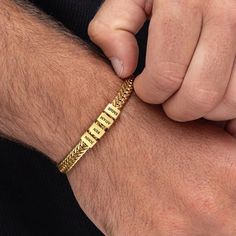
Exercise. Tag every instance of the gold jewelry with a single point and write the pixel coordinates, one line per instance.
(98, 128)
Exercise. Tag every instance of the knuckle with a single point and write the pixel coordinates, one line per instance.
(92, 27)
(96, 30)
(204, 99)
(168, 76)
(167, 83)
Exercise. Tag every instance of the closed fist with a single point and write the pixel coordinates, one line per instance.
(190, 64)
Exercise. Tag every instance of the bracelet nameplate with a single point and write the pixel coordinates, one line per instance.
(96, 131)
(88, 139)
(112, 111)
(105, 120)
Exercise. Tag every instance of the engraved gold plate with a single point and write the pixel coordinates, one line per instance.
(105, 120)
(112, 111)
(96, 131)
(88, 139)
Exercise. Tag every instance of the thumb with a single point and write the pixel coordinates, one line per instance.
(113, 29)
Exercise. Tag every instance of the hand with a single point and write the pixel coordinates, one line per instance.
(190, 64)
(150, 176)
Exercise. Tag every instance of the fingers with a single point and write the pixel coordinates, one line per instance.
(226, 110)
(114, 28)
(208, 74)
(173, 35)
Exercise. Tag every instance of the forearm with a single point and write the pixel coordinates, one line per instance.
(52, 87)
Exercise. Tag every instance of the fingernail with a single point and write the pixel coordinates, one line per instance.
(117, 65)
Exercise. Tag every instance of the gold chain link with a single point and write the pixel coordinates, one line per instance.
(124, 94)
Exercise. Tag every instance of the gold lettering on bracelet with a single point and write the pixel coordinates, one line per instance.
(112, 111)
(96, 131)
(88, 139)
(105, 120)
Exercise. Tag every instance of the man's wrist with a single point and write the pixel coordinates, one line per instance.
(54, 89)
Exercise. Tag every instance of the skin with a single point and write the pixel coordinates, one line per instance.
(190, 63)
(149, 175)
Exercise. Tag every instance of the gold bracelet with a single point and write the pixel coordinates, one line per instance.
(98, 128)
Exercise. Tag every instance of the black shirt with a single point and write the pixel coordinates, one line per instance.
(35, 200)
